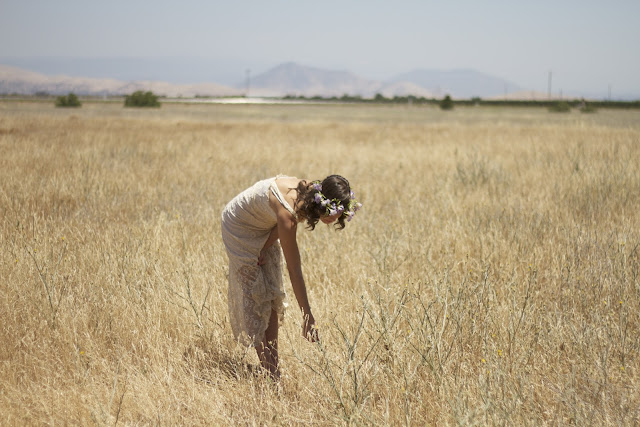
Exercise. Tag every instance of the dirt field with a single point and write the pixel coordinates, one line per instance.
(492, 276)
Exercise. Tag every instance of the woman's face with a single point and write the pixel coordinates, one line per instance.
(328, 219)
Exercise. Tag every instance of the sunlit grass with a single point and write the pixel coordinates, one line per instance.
(491, 277)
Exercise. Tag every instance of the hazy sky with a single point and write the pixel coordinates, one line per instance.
(587, 45)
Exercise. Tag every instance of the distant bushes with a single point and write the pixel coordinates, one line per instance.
(70, 100)
(565, 107)
(560, 107)
(587, 108)
(446, 103)
(141, 99)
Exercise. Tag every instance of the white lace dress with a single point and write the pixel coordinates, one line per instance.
(254, 290)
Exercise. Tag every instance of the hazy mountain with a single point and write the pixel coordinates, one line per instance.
(178, 70)
(389, 90)
(294, 79)
(461, 83)
(16, 80)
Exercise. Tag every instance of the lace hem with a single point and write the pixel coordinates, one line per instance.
(254, 291)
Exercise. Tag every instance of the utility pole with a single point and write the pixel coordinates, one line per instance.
(248, 82)
(549, 86)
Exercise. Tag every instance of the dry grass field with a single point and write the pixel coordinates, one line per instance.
(492, 276)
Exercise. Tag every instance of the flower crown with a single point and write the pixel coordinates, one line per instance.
(334, 206)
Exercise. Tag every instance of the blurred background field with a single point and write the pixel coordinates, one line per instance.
(491, 277)
(204, 111)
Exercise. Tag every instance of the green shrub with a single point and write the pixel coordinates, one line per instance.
(587, 108)
(560, 107)
(446, 103)
(141, 99)
(70, 100)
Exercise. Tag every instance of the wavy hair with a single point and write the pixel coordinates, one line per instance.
(333, 187)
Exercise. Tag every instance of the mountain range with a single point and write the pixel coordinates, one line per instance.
(24, 82)
(285, 79)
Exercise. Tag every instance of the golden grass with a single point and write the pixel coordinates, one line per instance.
(491, 277)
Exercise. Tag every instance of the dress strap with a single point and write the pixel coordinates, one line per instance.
(276, 192)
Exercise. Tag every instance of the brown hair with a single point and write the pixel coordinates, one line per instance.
(333, 187)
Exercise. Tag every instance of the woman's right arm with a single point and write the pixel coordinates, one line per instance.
(287, 227)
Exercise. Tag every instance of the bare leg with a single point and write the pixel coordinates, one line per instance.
(268, 349)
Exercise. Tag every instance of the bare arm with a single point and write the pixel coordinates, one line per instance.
(287, 227)
(287, 232)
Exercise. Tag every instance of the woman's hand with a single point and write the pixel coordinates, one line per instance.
(309, 329)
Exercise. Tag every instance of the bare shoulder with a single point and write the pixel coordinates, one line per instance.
(288, 184)
(288, 188)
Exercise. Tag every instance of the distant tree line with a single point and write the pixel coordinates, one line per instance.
(149, 99)
(450, 102)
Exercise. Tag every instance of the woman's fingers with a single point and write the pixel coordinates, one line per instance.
(313, 335)
(309, 329)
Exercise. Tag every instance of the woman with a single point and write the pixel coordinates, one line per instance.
(252, 224)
